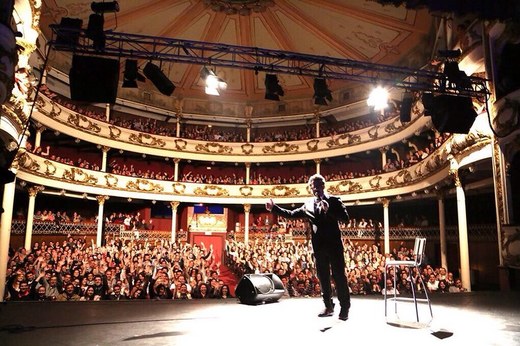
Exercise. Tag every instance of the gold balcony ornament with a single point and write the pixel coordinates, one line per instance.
(247, 148)
(345, 186)
(394, 126)
(402, 177)
(280, 191)
(78, 121)
(281, 147)
(375, 181)
(180, 144)
(79, 176)
(144, 185)
(146, 139)
(50, 168)
(115, 132)
(211, 190)
(178, 188)
(214, 148)
(111, 180)
(25, 161)
(312, 145)
(341, 139)
(55, 110)
(373, 132)
(246, 190)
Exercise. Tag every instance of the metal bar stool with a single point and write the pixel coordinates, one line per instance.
(419, 249)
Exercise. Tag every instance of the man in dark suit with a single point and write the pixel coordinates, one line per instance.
(323, 212)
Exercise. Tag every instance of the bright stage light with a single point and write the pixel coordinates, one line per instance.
(378, 98)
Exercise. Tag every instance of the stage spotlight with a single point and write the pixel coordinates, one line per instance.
(273, 90)
(68, 33)
(378, 98)
(322, 93)
(131, 74)
(213, 83)
(159, 79)
(104, 7)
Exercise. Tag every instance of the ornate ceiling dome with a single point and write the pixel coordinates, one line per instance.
(356, 29)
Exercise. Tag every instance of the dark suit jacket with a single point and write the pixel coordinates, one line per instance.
(325, 230)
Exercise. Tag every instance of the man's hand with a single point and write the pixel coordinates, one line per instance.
(269, 204)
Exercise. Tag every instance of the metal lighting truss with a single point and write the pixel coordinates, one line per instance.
(258, 59)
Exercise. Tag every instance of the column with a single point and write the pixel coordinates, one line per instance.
(442, 230)
(383, 156)
(5, 232)
(178, 126)
(107, 112)
(247, 209)
(317, 120)
(175, 206)
(248, 173)
(38, 136)
(318, 165)
(463, 228)
(248, 130)
(100, 219)
(104, 158)
(176, 169)
(33, 191)
(248, 112)
(386, 225)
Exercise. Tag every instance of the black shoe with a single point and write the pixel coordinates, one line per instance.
(329, 311)
(343, 314)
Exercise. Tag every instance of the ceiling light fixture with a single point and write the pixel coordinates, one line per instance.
(214, 84)
(378, 98)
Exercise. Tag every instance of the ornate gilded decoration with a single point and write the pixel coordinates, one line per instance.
(211, 190)
(76, 120)
(393, 126)
(345, 186)
(111, 180)
(178, 188)
(174, 205)
(247, 208)
(78, 175)
(510, 245)
(246, 190)
(241, 7)
(214, 148)
(375, 181)
(507, 117)
(247, 148)
(402, 177)
(312, 145)
(50, 168)
(53, 113)
(180, 144)
(25, 161)
(101, 199)
(144, 185)
(115, 132)
(373, 132)
(337, 141)
(499, 191)
(435, 163)
(146, 139)
(280, 191)
(281, 147)
(34, 190)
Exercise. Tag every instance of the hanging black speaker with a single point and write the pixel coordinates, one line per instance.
(256, 289)
(93, 79)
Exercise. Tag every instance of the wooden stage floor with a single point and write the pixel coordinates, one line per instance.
(476, 318)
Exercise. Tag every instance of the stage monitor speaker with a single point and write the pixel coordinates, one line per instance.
(256, 289)
(453, 114)
(94, 79)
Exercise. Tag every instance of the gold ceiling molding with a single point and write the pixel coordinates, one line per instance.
(281, 147)
(280, 191)
(76, 120)
(146, 139)
(144, 185)
(79, 176)
(211, 190)
(214, 148)
(241, 7)
(345, 186)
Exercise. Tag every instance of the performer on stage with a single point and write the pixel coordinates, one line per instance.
(323, 212)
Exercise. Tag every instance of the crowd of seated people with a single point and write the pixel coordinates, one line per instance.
(74, 270)
(232, 179)
(365, 266)
(79, 162)
(206, 133)
(130, 171)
